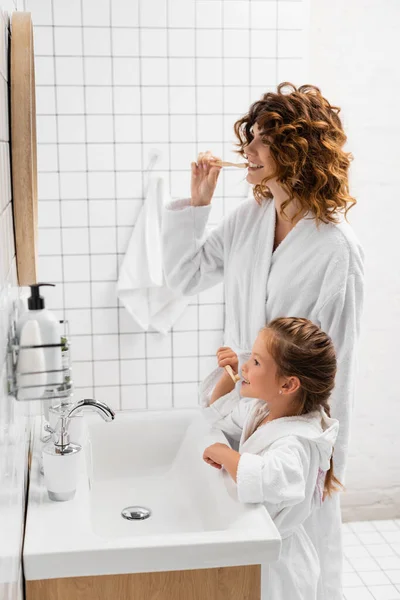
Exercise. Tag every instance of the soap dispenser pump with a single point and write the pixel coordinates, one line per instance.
(50, 334)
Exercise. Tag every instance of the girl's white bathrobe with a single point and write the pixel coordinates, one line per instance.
(316, 273)
(283, 465)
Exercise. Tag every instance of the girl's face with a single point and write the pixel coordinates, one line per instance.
(260, 380)
(259, 154)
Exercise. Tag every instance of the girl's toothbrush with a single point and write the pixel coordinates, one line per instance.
(230, 372)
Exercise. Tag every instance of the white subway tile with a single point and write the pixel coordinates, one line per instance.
(46, 129)
(125, 42)
(159, 370)
(104, 267)
(43, 41)
(96, 12)
(236, 13)
(181, 72)
(99, 100)
(71, 128)
(75, 240)
(264, 14)
(133, 397)
(132, 345)
(126, 71)
(133, 371)
(76, 268)
(72, 157)
(97, 70)
(105, 347)
(153, 42)
(67, 13)
(181, 13)
(125, 13)
(73, 186)
(74, 213)
(80, 322)
(105, 320)
(97, 41)
(185, 395)
(40, 10)
(70, 100)
(103, 240)
(185, 369)
(159, 396)
(100, 157)
(209, 14)
(181, 42)
(99, 128)
(69, 70)
(68, 41)
(153, 14)
(77, 295)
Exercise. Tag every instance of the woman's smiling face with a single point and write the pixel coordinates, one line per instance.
(258, 154)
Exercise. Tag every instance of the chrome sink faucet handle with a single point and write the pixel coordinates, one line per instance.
(61, 435)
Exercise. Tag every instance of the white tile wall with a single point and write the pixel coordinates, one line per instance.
(115, 80)
(354, 60)
(14, 426)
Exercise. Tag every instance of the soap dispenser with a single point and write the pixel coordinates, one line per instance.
(60, 464)
(50, 333)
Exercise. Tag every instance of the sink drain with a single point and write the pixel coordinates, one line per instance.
(136, 513)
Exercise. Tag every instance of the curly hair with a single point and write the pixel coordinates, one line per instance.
(306, 139)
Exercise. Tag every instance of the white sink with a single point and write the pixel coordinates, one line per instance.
(150, 459)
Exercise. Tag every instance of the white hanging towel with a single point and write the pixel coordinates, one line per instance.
(141, 286)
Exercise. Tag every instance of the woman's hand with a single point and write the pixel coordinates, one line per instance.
(220, 455)
(204, 179)
(226, 356)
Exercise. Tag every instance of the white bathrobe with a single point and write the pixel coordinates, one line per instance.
(315, 273)
(283, 465)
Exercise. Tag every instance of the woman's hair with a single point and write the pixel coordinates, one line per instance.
(306, 139)
(301, 349)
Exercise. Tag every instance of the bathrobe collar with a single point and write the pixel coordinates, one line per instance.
(315, 426)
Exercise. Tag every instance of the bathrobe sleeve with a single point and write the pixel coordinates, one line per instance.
(229, 413)
(279, 476)
(192, 262)
(340, 318)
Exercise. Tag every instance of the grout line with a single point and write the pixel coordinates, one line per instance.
(90, 308)
(169, 171)
(144, 181)
(115, 194)
(58, 161)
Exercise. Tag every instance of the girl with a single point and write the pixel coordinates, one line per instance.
(286, 440)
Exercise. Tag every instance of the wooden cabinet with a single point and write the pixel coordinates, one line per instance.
(228, 583)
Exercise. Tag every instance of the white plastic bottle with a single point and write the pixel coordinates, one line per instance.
(50, 333)
(31, 360)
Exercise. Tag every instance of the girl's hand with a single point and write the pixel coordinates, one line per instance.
(226, 356)
(213, 455)
(220, 455)
(204, 179)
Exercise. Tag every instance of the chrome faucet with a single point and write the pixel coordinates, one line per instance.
(61, 434)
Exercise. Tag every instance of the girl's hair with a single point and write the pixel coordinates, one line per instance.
(306, 139)
(301, 349)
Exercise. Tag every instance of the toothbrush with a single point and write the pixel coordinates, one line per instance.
(230, 372)
(222, 163)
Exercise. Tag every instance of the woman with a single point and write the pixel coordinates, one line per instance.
(287, 252)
